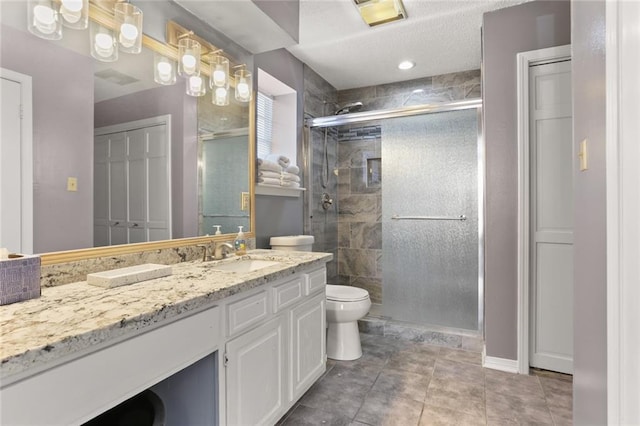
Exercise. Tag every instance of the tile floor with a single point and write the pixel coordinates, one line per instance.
(402, 382)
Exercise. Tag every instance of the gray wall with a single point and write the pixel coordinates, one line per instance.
(184, 143)
(62, 138)
(506, 32)
(284, 13)
(590, 298)
(281, 215)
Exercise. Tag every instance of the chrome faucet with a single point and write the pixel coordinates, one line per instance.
(221, 250)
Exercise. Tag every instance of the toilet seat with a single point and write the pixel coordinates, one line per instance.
(344, 293)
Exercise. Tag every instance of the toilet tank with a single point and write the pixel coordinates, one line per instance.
(292, 242)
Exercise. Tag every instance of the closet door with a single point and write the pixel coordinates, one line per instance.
(118, 205)
(158, 184)
(137, 185)
(101, 191)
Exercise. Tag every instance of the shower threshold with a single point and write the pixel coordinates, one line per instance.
(377, 324)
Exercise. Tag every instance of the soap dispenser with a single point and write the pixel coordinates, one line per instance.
(240, 243)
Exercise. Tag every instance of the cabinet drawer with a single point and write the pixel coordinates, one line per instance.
(246, 312)
(287, 293)
(315, 281)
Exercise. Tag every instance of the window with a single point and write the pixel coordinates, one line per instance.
(265, 124)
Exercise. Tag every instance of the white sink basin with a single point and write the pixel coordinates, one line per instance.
(244, 265)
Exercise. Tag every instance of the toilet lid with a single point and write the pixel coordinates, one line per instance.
(346, 293)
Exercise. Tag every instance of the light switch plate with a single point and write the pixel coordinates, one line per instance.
(72, 184)
(583, 155)
(244, 201)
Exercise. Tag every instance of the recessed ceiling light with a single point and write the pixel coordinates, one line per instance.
(406, 65)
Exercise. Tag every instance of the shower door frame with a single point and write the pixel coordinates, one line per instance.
(408, 111)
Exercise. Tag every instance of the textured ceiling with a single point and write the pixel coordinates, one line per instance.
(439, 36)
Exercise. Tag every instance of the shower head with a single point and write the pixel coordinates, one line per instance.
(350, 107)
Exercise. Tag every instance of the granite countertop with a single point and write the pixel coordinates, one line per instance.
(70, 319)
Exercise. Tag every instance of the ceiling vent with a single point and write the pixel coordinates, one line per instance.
(376, 12)
(116, 77)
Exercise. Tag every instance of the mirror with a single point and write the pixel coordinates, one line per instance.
(208, 155)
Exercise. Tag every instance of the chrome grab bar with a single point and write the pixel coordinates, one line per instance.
(461, 217)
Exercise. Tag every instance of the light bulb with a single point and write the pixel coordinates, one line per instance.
(104, 45)
(219, 77)
(195, 83)
(164, 71)
(243, 89)
(44, 19)
(221, 96)
(188, 63)
(71, 10)
(128, 35)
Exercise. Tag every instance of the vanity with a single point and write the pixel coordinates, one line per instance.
(256, 335)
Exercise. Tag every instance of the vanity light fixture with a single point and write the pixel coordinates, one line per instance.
(244, 84)
(43, 19)
(376, 12)
(164, 69)
(75, 14)
(103, 44)
(189, 57)
(196, 85)
(128, 19)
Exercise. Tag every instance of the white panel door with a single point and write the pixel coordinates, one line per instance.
(10, 167)
(137, 185)
(133, 182)
(101, 191)
(551, 334)
(256, 375)
(158, 188)
(118, 203)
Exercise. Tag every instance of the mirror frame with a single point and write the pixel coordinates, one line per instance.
(67, 256)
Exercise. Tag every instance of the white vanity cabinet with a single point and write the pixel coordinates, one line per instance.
(270, 366)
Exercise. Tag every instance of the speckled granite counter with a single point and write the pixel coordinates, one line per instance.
(72, 318)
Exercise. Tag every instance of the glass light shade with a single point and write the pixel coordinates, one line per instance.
(103, 43)
(189, 54)
(244, 85)
(75, 14)
(44, 19)
(219, 71)
(220, 96)
(196, 86)
(129, 27)
(164, 70)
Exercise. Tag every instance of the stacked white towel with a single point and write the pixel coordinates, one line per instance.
(277, 170)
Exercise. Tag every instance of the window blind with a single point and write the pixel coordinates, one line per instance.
(265, 124)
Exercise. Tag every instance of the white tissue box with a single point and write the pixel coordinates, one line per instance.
(19, 278)
(130, 275)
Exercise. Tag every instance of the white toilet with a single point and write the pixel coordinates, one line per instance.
(345, 306)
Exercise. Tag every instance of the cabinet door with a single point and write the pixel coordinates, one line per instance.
(308, 350)
(255, 375)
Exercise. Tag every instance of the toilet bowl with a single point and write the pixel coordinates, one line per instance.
(345, 306)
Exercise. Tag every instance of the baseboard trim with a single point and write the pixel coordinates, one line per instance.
(502, 364)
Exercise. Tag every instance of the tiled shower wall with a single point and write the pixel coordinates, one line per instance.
(320, 100)
(352, 228)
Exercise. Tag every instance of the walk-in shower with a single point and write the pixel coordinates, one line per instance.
(405, 221)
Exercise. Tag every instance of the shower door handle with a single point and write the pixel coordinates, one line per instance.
(460, 218)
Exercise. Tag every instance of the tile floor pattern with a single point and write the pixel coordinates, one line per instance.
(405, 383)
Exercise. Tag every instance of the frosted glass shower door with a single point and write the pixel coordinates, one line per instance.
(429, 265)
